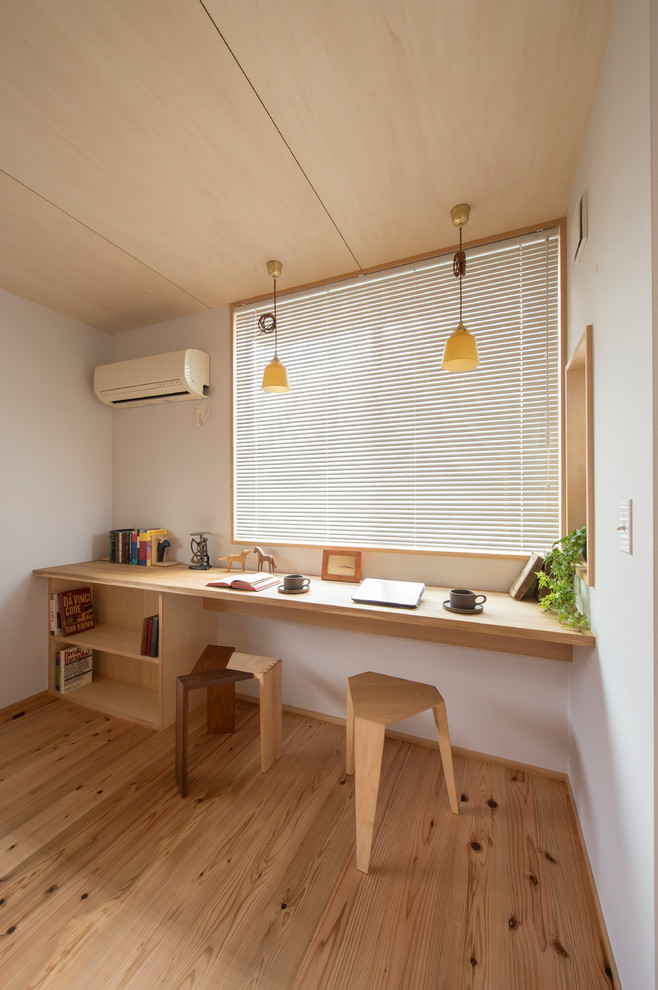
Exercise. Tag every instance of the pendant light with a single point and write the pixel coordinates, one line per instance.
(275, 378)
(461, 352)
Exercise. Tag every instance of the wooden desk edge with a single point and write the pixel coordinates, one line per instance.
(429, 631)
(545, 640)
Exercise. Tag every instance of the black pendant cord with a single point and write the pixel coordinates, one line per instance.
(267, 322)
(461, 273)
(459, 269)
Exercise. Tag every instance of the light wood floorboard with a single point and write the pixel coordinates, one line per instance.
(109, 880)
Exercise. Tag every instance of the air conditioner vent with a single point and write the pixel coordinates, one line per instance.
(170, 377)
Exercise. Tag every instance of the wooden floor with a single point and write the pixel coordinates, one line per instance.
(110, 880)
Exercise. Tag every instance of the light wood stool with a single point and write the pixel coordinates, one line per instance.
(373, 702)
(218, 669)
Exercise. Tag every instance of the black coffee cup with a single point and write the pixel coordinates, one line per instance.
(295, 582)
(463, 598)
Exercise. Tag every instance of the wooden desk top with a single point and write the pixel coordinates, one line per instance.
(505, 625)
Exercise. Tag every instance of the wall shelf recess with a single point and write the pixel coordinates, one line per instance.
(579, 447)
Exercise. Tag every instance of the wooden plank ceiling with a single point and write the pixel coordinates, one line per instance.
(156, 153)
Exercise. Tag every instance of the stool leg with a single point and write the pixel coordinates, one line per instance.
(271, 708)
(441, 722)
(220, 708)
(181, 736)
(368, 750)
(349, 733)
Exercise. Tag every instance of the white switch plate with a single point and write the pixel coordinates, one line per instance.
(625, 527)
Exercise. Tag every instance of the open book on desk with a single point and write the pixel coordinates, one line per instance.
(254, 582)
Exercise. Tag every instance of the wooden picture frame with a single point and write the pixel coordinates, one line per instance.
(341, 565)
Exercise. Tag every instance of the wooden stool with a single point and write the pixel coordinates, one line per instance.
(217, 669)
(373, 702)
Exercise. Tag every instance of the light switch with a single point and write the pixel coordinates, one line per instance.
(625, 527)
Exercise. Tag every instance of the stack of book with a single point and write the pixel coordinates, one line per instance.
(135, 546)
(150, 631)
(71, 612)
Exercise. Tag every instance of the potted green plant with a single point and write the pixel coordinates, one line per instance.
(557, 576)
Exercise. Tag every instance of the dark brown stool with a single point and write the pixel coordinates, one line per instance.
(209, 672)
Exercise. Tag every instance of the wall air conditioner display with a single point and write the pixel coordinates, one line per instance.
(170, 377)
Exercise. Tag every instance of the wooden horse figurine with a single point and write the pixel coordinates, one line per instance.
(236, 558)
(265, 558)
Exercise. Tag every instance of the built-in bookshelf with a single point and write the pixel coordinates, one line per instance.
(125, 682)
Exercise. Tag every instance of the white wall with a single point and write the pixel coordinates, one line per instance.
(168, 471)
(56, 473)
(611, 690)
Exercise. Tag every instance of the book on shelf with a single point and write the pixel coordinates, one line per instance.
(53, 615)
(76, 611)
(73, 668)
(153, 641)
(252, 582)
(119, 542)
(143, 647)
(150, 632)
(136, 546)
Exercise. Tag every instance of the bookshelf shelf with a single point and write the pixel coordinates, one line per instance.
(122, 640)
(121, 698)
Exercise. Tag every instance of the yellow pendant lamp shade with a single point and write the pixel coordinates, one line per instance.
(461, 351)
(275, 377)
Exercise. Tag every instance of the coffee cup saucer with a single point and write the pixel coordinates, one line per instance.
(292, 591)
(464, 611)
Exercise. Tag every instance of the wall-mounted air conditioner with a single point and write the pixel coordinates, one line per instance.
(160, 378)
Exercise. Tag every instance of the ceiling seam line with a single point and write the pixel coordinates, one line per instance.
(280, 133)
(106, 239)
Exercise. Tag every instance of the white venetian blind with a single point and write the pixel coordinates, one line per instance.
(375, 445)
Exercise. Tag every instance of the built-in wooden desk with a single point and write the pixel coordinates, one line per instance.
(142, 688)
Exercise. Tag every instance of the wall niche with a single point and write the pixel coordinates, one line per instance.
(579, 447)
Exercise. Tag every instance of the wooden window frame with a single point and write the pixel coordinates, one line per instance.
(579, 446)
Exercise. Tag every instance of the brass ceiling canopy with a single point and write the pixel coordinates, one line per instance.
(460, 214)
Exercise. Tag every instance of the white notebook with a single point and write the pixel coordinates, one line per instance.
(398, 594)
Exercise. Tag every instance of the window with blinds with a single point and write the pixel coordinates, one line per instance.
(375, 445)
